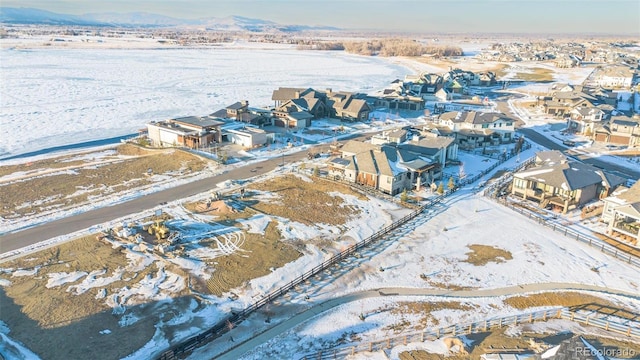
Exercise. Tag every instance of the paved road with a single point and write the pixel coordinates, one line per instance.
(538, 138)
(238, 350)
(13, 241)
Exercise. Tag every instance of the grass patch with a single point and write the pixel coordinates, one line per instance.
(427, 308)
(307, 202)
(497, 339)
(53, 307)
(483, 254)
(62, 189)
(566, 299)
(260, 254)
(534, 74)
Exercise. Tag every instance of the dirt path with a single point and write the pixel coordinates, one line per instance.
(238, 350)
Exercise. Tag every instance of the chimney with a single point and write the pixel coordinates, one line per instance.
(244, 103)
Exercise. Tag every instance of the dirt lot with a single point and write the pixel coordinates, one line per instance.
(481, 255)
(64, 182)
(44, 318)
(307, 202)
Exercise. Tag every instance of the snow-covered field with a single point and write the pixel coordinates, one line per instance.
(54, 97)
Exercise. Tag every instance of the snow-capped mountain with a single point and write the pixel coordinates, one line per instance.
(10, 15)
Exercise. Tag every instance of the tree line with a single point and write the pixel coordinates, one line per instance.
(383, 47)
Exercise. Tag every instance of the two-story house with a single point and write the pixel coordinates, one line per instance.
(584, 120)
(622, 213)
(619, 130)
(473, 129)
(562, 184)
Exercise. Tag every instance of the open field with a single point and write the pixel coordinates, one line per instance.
(307, 201)
(117, 282)
(74, 180)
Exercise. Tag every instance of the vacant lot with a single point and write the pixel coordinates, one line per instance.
(46, 318)
(69, 181)
(307, 202)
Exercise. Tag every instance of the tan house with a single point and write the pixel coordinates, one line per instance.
(625, 222)
(563, 184)
(562, 102)
(192, 132)
(386, 168)
(619, 130)
(345, 106)
(622, 196)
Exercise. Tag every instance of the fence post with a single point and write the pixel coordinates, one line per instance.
(485, 325)
(422, 336)
(516, 319)
(470, 329)
(531, 317)
(438, 333)
(629, 331)
(371, 346)
(544, 316)
(572, 315)
(587, 321)
(559, 315)
(353, 350)
(405, 340)
(606, 326)
(500, 323)
(389, 343)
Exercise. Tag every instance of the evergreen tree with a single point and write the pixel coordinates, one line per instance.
(316, 171)
(451, 183)
(441, 188)
(404, 196)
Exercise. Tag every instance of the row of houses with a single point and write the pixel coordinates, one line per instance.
(589, 112)
(562, 184)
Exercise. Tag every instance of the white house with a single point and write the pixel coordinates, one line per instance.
(615, 77)
(475, 129)
(191, 131)
(583, 120)
(249, 137)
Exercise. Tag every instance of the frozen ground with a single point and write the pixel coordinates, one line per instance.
(53, 97)
(69, 102)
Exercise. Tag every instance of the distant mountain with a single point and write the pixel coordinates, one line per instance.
(10, 15)
(142, 19)
(36, 16)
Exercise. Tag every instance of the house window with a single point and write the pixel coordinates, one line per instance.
(388, 180)
(519, 183)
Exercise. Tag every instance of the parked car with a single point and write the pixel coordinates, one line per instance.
(569, 143)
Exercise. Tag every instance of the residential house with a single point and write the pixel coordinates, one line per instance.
(284, 94)
(191, 131)
(292, 120)
(623, 214)
(346, 106)
(386, 137)
(563, 184)
(619, 130)
(615, 77)
(390, 169)
(312, 105)
(622, 196)
(583, 120)
(566, 61)
(249, 137)
(240, 111)
(562, 102)
(477, 129)
(397, 101)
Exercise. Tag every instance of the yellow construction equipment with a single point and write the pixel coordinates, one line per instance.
(159, 229)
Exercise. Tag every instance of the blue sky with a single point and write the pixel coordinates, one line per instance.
(461, 16)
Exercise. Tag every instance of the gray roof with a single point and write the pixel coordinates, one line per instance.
(300, 115)
(355, 147)
(341, 161)
(286, 93)
(565, 175)
(417, 164)
(365, 162)
(550, 156)
(198, 121)
(473, 117)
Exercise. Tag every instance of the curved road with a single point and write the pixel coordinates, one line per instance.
(542, 140)
(238, 350)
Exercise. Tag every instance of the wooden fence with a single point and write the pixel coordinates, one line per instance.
(472, 328)
(235, 318)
